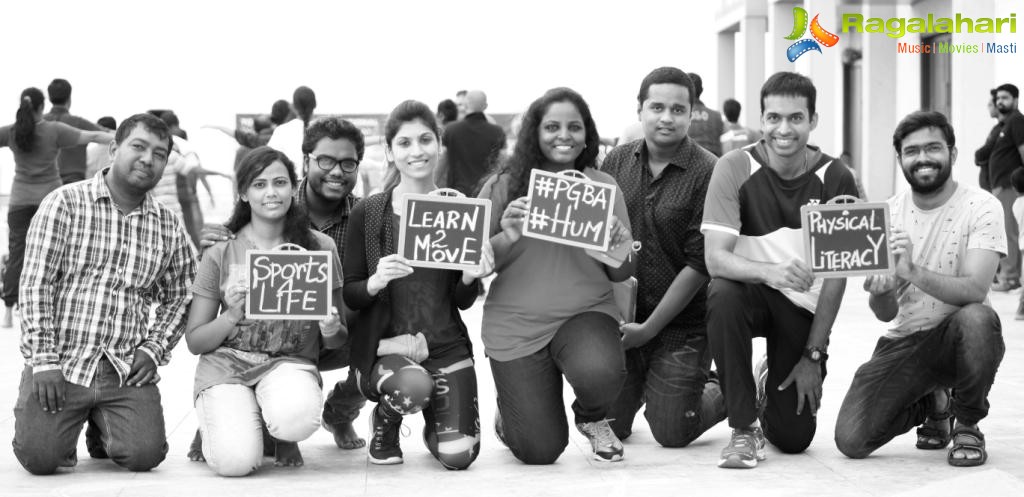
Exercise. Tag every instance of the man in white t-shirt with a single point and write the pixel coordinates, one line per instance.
(947, 239)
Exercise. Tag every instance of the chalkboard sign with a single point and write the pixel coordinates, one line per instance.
(443, 232)
(569, 210)
(288, 284)
(847, 239)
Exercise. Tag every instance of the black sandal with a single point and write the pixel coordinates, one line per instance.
(936, 432)
(965, 439)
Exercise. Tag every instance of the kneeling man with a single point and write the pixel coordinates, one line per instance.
(947, 239)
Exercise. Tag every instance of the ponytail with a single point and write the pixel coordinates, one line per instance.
(25, 119)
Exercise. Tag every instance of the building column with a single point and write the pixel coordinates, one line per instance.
(749, 66)
(726, 81)
(884, 81)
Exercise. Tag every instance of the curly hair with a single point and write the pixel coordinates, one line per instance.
(526, 155)
(296, 222)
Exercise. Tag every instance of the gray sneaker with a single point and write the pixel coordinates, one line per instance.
(606, 445)
(745, 449)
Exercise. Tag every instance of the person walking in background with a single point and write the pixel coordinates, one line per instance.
(982, 155)
(706, 125)
(288, 137)
(550, 312)
(665, 179)
(35, 143)
(1007, 156)
(97, 155)
(472, 146)
(736, 135)
(70, 161)
(256, 372)
(100, 253)
(409, 343)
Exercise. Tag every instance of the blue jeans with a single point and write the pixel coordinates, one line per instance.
(344, 400)
(891, 393)
(19, 217)
(587, 350)
(130, 421)
(681, 403)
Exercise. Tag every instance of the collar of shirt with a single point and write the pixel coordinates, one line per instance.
(475, 116)
(681, 158)
(337, 217)
(98, 189)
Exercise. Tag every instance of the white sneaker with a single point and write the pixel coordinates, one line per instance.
(606, 445)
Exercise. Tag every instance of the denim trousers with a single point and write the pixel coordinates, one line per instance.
(344, 400)
(738, 312)
(231, 416)
(673, 383)
(130, 421)
(587, 351)
(892, 392)
(1009, 266)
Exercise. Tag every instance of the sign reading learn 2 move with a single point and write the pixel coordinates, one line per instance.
(288, 284)
(443, 232)
(569, 210)
(847, 239)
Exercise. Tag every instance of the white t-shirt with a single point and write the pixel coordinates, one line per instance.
(970, 219)
(287, 138)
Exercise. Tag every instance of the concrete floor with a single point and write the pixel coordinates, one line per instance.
(897, 469)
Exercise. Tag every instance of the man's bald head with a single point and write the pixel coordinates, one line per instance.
(476, 101)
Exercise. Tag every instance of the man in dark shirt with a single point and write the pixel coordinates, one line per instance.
(982, 155)
(706, 126)
(331, 151)
(1007, 154)
(70, 161)
(472, 146)
(664, 178)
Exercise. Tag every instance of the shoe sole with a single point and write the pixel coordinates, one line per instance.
(613, 458)
(734, 462)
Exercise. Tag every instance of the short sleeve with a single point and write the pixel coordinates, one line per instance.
(1015, 130)
(988, 231)
(498, 195)
(722, 204)
(208, 276)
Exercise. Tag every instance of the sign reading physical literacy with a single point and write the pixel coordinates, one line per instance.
(569, 210)
(847, 239)
(288, 284)
(443, 232)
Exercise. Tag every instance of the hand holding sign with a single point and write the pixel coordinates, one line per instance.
(903, 250)
(485, 268)
(794, 274)
(513, 217)
(390, 267)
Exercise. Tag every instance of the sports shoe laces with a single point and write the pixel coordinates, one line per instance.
(602, 433)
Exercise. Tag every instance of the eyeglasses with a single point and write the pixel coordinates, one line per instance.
(931, 150)
(326, 163)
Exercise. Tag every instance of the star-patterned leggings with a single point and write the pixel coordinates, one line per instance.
(445, 390)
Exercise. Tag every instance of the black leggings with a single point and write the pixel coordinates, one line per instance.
(445, 390)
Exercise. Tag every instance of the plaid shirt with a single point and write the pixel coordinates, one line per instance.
(335, 227)
(91, 275)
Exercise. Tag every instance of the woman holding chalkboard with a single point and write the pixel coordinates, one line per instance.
(409, 343)
(257, 372)
(550, 311)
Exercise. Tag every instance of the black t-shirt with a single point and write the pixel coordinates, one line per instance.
(1005, 158)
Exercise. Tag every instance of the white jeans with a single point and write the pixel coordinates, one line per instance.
(288, 399)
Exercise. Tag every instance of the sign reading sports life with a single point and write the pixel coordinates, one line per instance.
(847, 239)
(288, 284)
(443, 232)
(569, 210)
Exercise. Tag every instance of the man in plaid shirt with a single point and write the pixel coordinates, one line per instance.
(99, 253)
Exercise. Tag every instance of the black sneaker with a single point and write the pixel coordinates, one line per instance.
(384, 445)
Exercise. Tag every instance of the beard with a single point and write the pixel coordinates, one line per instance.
(945, 170)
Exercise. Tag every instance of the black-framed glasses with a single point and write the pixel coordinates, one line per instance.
(326, 163)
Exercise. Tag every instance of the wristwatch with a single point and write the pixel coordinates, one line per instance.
(815, 354)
